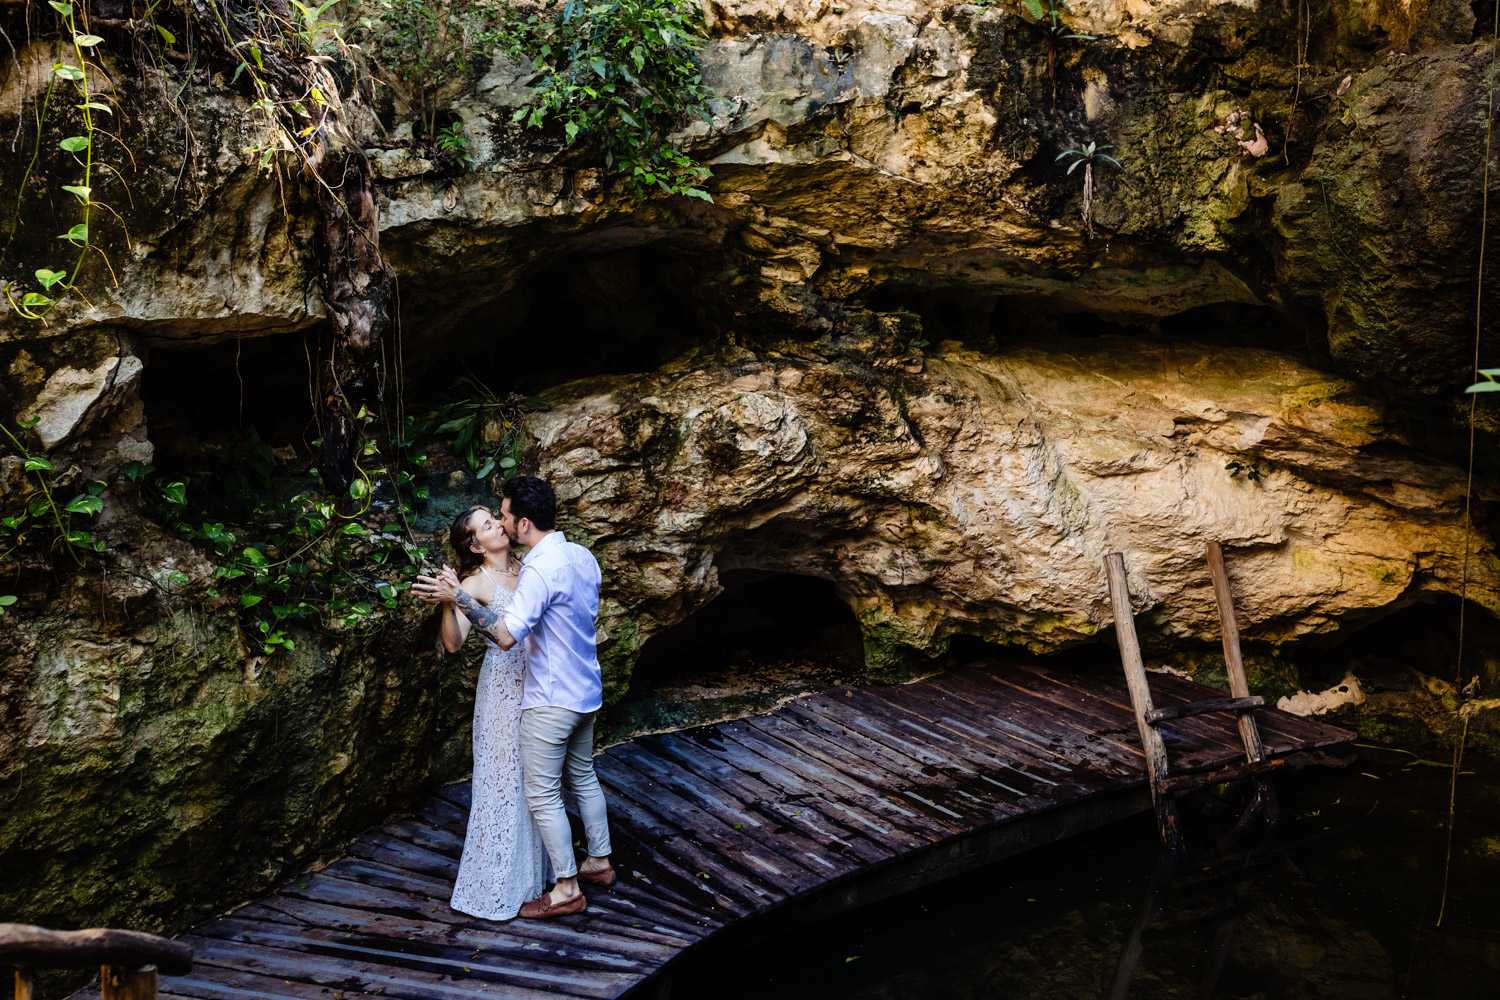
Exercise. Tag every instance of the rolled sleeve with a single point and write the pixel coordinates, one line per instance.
(526, 609)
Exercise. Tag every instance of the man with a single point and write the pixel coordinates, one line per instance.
(554, 612)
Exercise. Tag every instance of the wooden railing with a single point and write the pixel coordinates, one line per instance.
(128, 960)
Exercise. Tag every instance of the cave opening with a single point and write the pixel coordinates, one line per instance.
(765, 637)
(204, 399)
(627, 311)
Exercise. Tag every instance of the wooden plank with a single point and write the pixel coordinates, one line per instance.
(982, 742)
(806, 788)
(1103, 726)
(428, 942)
(210, 982)
(1186, 709)
(1229, 632)
(392, 899)
(898, 805)
(1193, 742)
(731, 847)
(1168, 824)
(1034, 722)
(682, 863)
(373, 972)
(940, 789)
(782, 838)
(1285, 730)
(588, 942)
(803, 815)
(409, 857)
(881, 816)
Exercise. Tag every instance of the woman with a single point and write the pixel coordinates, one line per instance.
(504, 863)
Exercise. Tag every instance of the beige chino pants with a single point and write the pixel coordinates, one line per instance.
(558, 745)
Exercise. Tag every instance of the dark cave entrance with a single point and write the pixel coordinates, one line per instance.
(626, 311)
(767, 636)
(223, 401)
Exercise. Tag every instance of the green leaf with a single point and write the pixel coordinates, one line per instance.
(35, 300)
(87, 41)
(1484, 387)
(166, 35)
(96, 106)
(359, 489)
(50, 278)
(78, 234)
(37, 463)
(175, 493)
(75, 143)
(67, 72)
(254, 556)
(507, 462)
(84, 504)
(485, 469)
(1489, 372)
(250, 600)
(1075, 165)
(81, 193)
(6, 600)
(65, 9)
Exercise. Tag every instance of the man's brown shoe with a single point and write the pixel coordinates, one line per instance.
(542, 908)
(604, 877)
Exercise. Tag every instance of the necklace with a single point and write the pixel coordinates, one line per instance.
(507, 571)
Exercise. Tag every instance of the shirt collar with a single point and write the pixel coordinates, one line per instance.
(546, 540)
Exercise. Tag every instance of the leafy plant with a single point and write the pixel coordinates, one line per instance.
(453, 145)
(623, 74)
(1085, 156)
(284, 561)
(420, 47)
(71, 71)
(1047, 14)
(1489, 384)
(40, 517)
(468, 418)
(1250, 470)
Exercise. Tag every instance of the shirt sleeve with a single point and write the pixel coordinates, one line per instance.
(525, 611)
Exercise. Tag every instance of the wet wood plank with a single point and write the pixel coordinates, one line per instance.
(728, 824)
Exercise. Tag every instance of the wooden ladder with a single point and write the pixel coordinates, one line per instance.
(1165, 785)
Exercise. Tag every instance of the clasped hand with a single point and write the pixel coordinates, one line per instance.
(441, 589)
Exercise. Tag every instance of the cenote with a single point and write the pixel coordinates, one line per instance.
(896, 361)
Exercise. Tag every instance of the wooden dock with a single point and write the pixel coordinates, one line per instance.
(829, 802)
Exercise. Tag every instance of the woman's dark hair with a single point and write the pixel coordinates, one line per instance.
(461, 537)
(532, 498)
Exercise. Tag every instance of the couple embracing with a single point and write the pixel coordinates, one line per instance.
(539, 692)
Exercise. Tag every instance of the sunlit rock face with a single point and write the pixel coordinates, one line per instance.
(977, 493)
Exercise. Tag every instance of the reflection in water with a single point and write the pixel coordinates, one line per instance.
(1340, 904)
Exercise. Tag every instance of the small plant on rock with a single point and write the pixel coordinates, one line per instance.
(1086, 155)
(1047, 14)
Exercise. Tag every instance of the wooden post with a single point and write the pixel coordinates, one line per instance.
(119, 983)
(1140, 696)
(23, 985)
(1239, 686)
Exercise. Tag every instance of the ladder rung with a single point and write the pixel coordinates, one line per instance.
(1200, 707)
(1193, 780)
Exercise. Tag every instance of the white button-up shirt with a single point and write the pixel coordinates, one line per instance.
(553, 613)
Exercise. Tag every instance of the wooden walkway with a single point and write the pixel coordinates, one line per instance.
(830, 801)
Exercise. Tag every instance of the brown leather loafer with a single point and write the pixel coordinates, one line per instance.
(542, 908)
(604, 877)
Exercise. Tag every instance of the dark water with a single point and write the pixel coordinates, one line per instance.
(1344, 904)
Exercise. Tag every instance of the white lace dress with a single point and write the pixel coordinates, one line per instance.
(504, 862)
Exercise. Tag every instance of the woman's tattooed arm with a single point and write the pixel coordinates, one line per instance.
(487, 620)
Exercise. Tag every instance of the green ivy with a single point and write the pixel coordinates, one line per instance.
(623, 74)
(39, 520)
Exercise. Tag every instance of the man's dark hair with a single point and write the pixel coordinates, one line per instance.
(532, 498)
